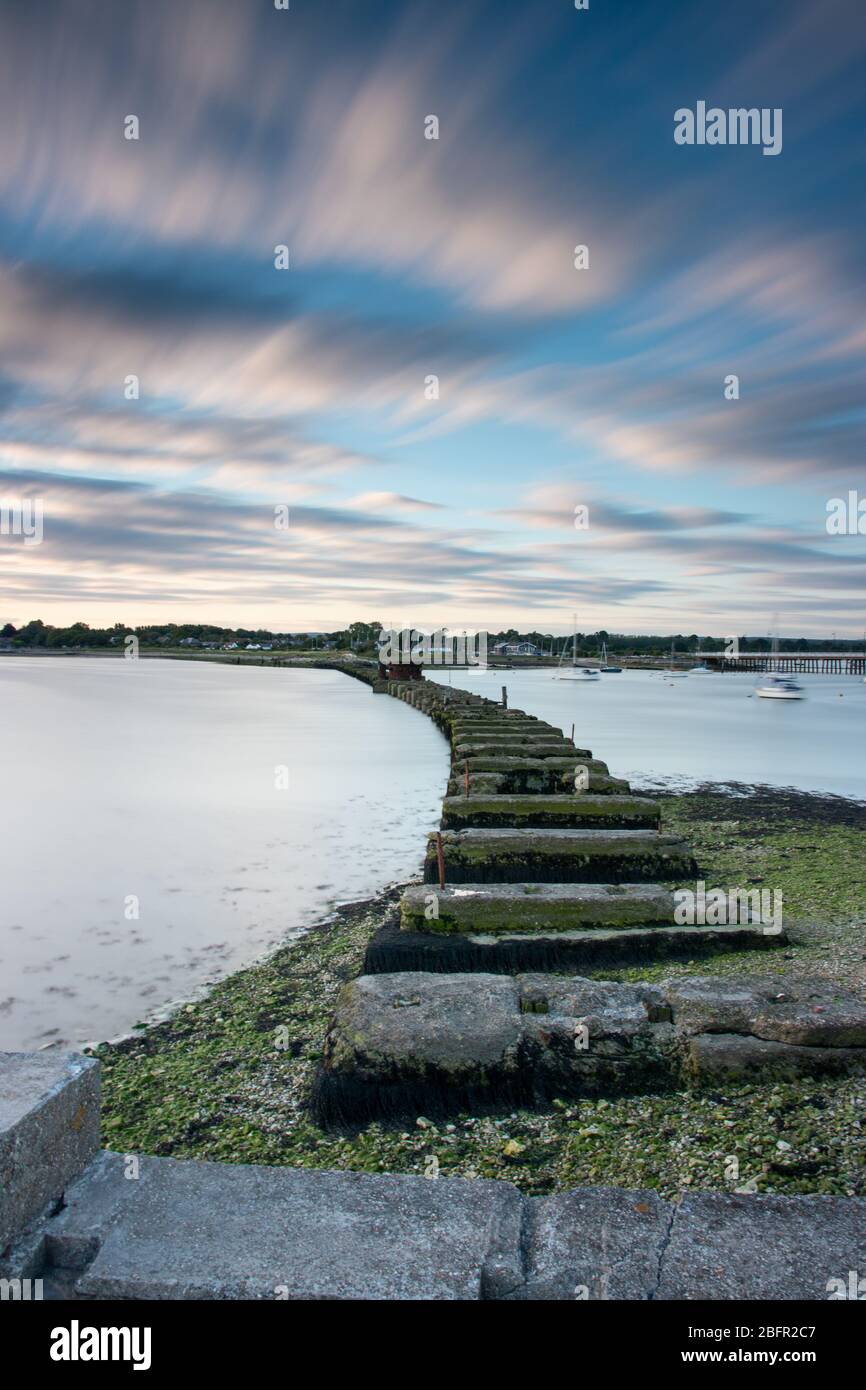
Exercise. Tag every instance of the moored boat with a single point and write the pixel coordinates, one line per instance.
(776, 687)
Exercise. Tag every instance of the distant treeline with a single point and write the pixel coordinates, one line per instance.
(361, 637)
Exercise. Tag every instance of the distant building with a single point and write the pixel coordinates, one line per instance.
(189, 642)
(516, 649)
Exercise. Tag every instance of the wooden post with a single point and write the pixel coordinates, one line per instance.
(466, 779)
(440, 858)
(504, 698)
(572, 733)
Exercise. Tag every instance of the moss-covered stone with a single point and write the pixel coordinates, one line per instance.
(550, 811)
(559, 856)
(534, 907)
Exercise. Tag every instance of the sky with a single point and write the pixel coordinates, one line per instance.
(432, 387)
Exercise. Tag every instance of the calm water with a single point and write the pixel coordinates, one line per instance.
(650, 729)
(156, 780)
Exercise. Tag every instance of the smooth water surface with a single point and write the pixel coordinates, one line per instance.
(151, 787)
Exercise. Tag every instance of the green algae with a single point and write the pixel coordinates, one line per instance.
(229, 1077)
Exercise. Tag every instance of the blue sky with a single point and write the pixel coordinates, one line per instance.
(413, 258)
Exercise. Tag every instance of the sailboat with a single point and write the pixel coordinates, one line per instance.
(606, 669)
(702, 669)
(577, 673)
(676, 674)
(778, 687)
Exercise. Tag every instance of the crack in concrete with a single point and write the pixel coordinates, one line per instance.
(663, 1249)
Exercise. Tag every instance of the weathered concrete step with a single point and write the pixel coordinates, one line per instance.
(609, 1243)
(559, 856)
(532, 782)
(496, 747)
(487, 710)
(514, 737)
(519, 763)
(274, 1234)
(49, 1130)
(190, 1230)
(509, 729)
(576, 951)
(411, 1042)
(522, 907)
(551, 812)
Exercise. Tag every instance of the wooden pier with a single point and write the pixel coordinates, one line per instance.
(827, 663)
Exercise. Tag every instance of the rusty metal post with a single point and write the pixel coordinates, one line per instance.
(440, 858)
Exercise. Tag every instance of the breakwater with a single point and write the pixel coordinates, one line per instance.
(546, 864)
(183, 1228)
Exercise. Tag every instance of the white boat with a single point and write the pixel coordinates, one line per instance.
(780, 688)
(605, 667)
(575, 672)
(582, 674)
(701, 670)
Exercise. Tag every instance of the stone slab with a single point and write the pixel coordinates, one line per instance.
(559, 856)
(435, 1043)
(509, 953)
(536, 781)
(762, 1247)
(816, 1013)
(415, 1043)
(550, 811)
(49, 1130)
(594, 1243)
(525, 762)
(719, 1057)
(198, 1230)
(497, 746)
(523, 907)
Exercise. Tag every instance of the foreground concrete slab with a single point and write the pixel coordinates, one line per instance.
(184, 1230)
(49, 1130)
(559, 856)
(763, 1247)
(187, 1230)
(595, 1243)
(551, 812)
(524, 907)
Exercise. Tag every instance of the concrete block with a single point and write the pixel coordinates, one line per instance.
(556, 811)
(760, 1248)
(594, 1243)
(49, 1130)
(195, 1230)
(559, 856)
